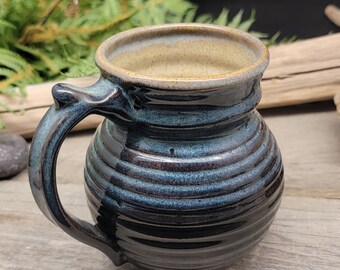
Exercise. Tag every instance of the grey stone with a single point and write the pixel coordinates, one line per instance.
(13, 154)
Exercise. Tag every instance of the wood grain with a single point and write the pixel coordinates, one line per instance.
(38, 100)
(305, 233)
(301, 72)
(26, 125)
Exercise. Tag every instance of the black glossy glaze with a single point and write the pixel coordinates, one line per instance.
(183, 179)
(191, 196)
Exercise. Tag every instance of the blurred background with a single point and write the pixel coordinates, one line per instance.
(303, 18)
(43, 42)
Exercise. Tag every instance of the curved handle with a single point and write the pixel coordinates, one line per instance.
(72, 104)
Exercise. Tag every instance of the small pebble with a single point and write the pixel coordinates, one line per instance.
(13, 154)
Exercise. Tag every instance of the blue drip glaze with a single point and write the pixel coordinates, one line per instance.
(202, 193)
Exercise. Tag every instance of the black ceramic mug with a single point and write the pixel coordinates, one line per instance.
(183, 173)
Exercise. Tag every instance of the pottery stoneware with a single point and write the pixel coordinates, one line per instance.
(183, 173)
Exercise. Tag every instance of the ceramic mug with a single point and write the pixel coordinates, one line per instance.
(183, 173)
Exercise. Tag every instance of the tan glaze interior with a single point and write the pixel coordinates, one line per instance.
(183, 56)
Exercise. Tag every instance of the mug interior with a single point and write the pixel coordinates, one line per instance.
(180, 53)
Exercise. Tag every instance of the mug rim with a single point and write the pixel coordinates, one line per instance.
(238, 76)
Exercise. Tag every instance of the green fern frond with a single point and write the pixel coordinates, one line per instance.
(2, 123)
(16, 78)
(273, 39)
(15, 70)
(190, 15)
(12, 60)
(6, 72)
(259, 35)
(6, 24)
(37, 53)
(236, 21)
(245, 26)
(204, 18)
(291, 39)
(222, 19)
(84, 67)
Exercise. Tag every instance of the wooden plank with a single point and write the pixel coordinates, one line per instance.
(305, 233)
(301, 72)
(304, 56)
(39, 95)
(26, 125)
(313, 87)
(38, 100)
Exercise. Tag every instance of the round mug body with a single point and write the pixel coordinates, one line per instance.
(184, 204)
(183, 173)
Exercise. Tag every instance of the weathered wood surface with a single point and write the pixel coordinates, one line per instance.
(38, 101)
(305, 234)
(300, 72)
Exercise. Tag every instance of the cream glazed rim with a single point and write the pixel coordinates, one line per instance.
(238, 76)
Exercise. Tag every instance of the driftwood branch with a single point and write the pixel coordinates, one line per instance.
(333, 14)
(301, 72)
(38, 101)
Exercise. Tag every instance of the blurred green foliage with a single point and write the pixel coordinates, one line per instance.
(43, 40)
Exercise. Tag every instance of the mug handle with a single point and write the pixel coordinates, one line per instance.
(71, 105)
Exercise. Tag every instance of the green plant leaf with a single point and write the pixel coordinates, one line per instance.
(37, 53)
(84, 67)
(2, 123)
(245, 26)
(6, 72)
(6, 24)
(236, 21)
(222, 19)
(287, 40)
(204, 18)
(12, 60)
(273, 39)
(189, 16)
(259, 35)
